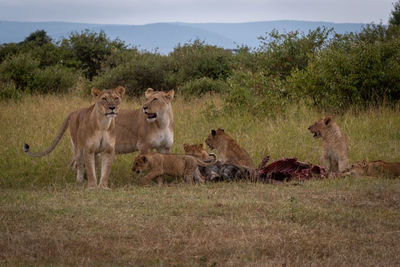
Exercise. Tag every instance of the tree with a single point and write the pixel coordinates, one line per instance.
(38, 38)
(394, 20)
(87, 50)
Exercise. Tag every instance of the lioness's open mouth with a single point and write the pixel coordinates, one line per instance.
(151, 115)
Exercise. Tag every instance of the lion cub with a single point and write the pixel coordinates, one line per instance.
(176, 165)
(376, 168)
(92, 132)
(228, 149)
(334, 145)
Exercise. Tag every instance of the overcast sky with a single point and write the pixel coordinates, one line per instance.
(151, 11)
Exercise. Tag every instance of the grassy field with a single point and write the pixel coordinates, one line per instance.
(46, 218)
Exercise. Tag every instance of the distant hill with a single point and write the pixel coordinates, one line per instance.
(163, 37)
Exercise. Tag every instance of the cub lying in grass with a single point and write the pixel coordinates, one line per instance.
(377, 168)
(176, 165)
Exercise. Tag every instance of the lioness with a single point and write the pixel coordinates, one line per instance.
(228, 149)
(176, 165)
(151, 127)
(92, 131)
(376, 168)
(334, 145)
(218, 171)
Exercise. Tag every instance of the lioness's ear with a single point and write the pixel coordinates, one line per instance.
(213, 132)
(327, 120)
(95, 92)
(120, 90)
(148, 92)
(170, 94)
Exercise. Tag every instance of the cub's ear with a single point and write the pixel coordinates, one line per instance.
(327, 120)
(148, 92)
(143, 158)
(120, 90)
(202, 145)
(170, 95)
(96, 92)
(220, 130)
(185, 146)
(213, 132)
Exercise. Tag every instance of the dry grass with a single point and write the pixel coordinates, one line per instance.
(45, 218)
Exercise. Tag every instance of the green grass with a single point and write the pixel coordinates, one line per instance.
(46, 218)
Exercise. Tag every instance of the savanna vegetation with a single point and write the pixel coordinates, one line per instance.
(264, 97)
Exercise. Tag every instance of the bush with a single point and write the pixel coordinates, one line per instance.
(139, 72)
(280, 54)
(19, 69)
(195, 60)
(201, 86)
(9, 91)
(361, 73)
(54, 79)
(256, 93)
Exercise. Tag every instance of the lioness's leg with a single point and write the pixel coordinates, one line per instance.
(90, 169)
(343, 164)
(106, 165)
(80, 167)
(97, 159)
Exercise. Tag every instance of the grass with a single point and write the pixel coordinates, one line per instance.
(46, 218)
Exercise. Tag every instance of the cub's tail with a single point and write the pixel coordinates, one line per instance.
(53, 145)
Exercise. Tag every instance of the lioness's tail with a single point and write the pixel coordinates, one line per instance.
(54, 144)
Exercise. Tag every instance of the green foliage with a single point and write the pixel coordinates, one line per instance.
(201, 86)
(280, 54)
(256, 93)
(137, 72)
(8, 90)
(359, 72)
(19, 69)
(87, 50)
(394, 19)
(196, 60)
(54, 79)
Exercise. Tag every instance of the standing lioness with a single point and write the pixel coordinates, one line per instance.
(92, 132)
(151, 127)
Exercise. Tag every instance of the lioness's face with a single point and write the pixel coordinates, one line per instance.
(157, 103)
(359, 168)
(214, 138)
(140, 164)
(319, 126)
(197, 151)
(108, 101)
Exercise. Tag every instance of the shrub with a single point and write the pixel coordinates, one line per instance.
(54, 79)
(256, 93)
(201, 86)
(19, 69)
(139, 72)
(280, 54)
(196, 60)
(360, 72)
(8, 90)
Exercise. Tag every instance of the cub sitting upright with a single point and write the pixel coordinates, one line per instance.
(151, 127)
(92, 132)
(334, 145)
(228, 149)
